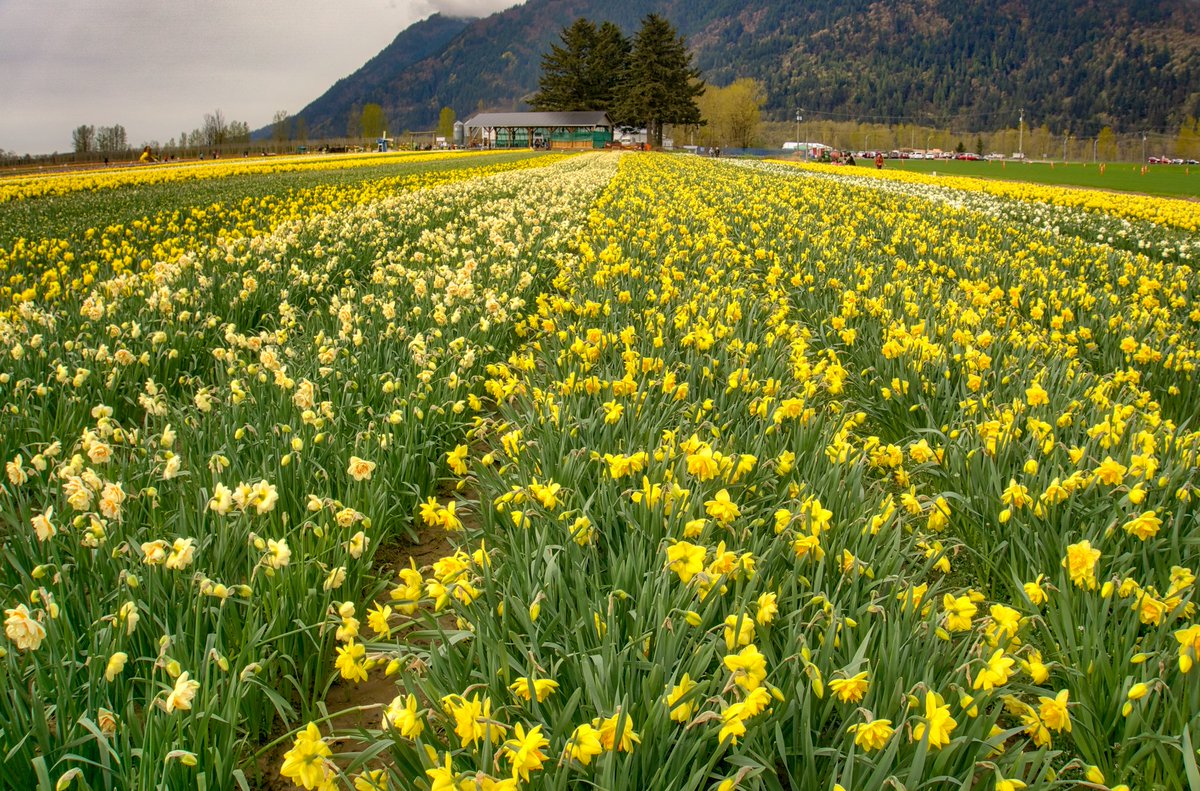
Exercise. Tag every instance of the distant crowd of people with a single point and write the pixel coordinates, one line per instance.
(835, 157)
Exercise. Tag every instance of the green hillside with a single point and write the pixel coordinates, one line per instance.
(1078, 64)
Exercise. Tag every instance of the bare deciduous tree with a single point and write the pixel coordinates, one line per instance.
(215, 129)
(84, 138)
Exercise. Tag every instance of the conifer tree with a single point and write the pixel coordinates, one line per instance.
(661, 84)
(609, 67)
(567, 82)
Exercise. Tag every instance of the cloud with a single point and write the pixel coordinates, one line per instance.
(469, 7)
(157, 67)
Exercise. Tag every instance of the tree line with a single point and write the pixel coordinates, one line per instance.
(215, 131)
(1038, 141)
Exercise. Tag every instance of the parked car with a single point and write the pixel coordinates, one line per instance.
(969, 157)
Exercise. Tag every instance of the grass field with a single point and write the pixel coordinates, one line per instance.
(1175, 180)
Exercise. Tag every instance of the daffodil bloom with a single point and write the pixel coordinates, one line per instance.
(1110, 472)
(852, 689)
(722, 508)
(360, 469)
(443, 777)
(1036, 668)
(473, 719)
(180, 698)
(686, 560)
(1054, 712)
(372, 780)
(403, 716)
(1080, 564)
(542, 688)
(610, 738)
(703, 463)
(939, 515)
(959, 612)
(16, 471)
(1035, 729)
(1144, 526)
(1189, 647)
(524, 750)
(739, 631)
(996, 673)
(306, 763)
(937, 722)
(377, 619)
(115, 666)
(43, 527)
(457, 460)
(154, 553)
(349, 661)
(767, 608)
(278, 553)
(748, 666)
(584, 744)
(22, 629)
(873, 735)
(681, 710)
(182, 552)
(1035, 592)
(612, 412)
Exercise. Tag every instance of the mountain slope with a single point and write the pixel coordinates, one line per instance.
(1077, 64)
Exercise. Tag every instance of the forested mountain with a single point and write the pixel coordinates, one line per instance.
(972, 64)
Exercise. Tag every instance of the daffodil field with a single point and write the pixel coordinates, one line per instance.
(755, 476)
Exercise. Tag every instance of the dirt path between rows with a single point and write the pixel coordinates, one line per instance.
(362, 704)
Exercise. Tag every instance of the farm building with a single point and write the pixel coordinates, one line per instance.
(575, 130)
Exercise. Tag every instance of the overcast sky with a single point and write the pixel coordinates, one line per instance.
(157, 66)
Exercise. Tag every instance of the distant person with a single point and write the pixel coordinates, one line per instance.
(850, 159)
(878, 161)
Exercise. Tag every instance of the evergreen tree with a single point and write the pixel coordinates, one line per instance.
(661, 85)
(566, 82)
(608, 67)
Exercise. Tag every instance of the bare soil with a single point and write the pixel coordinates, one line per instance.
(361, 705)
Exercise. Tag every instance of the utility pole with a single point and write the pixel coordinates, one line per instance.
(1066, 139)
(1143, 148)
(799, 118)
(1021, 135)
(1095, 146)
